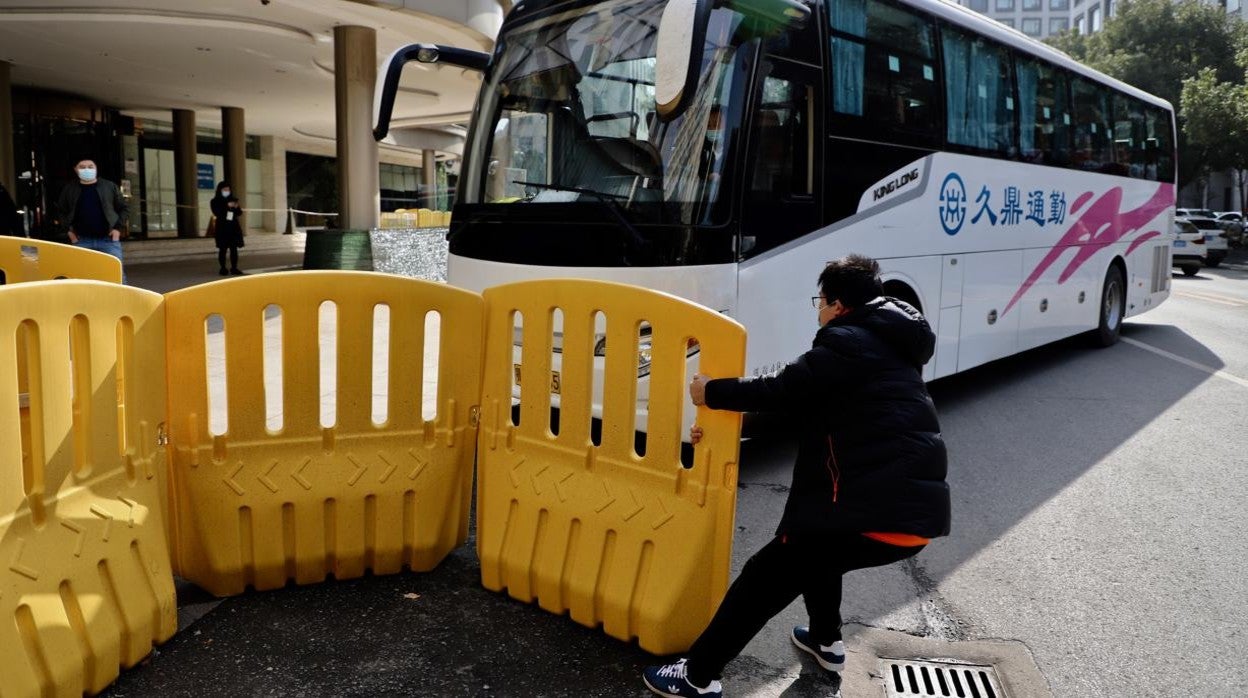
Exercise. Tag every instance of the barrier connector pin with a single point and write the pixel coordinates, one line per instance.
(474, 416)
(162, 436)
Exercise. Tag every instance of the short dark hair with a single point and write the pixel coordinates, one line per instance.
(853, 280)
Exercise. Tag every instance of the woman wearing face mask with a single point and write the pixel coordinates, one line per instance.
(229, 232)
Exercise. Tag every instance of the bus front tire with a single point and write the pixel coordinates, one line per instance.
(1113, 308)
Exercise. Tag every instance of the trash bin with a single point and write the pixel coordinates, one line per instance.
(327, 248)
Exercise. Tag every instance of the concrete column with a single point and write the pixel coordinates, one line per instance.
(355, 73)
(234, 140)
(8, 176)
(272, 184)
(429, 179)
(185, 177)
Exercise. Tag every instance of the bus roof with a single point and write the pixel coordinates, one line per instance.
(983, 25)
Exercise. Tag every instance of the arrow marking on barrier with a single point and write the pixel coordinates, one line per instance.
(18, 567)
(229, 481)
(265, 480)
(359, 470)
(390, 468)
(664, 517)
(420, 464)
(632, 494)
(82, 536)
(515, 478)
(131, 506)
(559, 487)
(108, 520)
(533, 479)
(610, 498)
(298, 477)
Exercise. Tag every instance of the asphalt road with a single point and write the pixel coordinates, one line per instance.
(1097, 511)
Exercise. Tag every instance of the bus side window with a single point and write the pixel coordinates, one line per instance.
(979, 94)
(1093, 137)
(1044, 115)
(1158, 159)
(884, 81)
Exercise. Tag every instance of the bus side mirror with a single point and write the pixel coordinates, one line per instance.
(678, 55)
(388, 87)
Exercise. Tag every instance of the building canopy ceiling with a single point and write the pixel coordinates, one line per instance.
(273, 59)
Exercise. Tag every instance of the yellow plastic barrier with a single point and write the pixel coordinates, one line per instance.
(259, 507)
(85, 580)
(23, 260)
(639, 544)
(424, 218)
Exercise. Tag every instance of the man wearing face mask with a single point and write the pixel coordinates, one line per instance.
(94, 210)
(868, 482)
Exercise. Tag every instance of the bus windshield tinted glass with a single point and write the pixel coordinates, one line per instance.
(568, 115)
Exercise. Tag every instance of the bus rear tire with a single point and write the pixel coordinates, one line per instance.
(1113, 308)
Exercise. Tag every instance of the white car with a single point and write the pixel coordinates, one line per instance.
(1215, 239)
(1187, 247)
(1233, 223)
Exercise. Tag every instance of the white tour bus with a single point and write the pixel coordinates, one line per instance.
(724, 154)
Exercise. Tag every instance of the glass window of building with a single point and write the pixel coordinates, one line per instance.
(1004, 5)
(1058, 24)
(978, 5)
(1081, 25)
(1033, 5)
(1059, 5)
(1031, 26)
(1094, 19)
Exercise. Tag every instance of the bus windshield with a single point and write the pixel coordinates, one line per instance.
(568, 115)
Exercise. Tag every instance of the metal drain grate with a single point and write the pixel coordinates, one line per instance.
(913, 677)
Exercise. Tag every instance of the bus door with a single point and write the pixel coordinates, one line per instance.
(784, 157)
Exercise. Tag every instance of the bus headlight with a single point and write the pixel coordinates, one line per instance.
(644, 353)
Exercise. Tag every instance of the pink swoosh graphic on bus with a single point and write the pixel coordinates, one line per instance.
(1100, 226)
(1142, 239)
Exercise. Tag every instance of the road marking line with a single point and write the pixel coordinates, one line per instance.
(1188, 362)
(1213, 298)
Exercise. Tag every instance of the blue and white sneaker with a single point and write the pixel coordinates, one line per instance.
(670, 680)
(830, 657)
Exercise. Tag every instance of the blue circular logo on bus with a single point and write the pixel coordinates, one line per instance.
(952, 203)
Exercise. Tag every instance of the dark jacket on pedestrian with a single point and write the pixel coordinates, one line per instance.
(116, 210)
(10, 220)
(228, 230)
(870, 455)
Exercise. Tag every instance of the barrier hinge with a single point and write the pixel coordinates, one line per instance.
(474, 416)
(162, 436)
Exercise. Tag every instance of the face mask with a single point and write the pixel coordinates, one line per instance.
(225, 193)
(86, 174)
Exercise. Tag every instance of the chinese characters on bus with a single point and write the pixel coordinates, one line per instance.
(1037, 206)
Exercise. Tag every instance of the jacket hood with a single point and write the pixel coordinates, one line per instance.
(897, 323)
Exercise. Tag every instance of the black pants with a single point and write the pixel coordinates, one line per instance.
(772, 579)
(233, 257)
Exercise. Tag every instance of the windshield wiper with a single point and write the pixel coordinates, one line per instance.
(609, 199)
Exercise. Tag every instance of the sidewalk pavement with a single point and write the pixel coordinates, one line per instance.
(163, 277)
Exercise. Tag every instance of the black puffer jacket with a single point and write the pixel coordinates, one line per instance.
(870, 455)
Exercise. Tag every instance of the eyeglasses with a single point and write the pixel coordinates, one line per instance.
(817, 302)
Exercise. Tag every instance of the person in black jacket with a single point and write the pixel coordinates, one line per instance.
(868, 484)
(227, 228)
